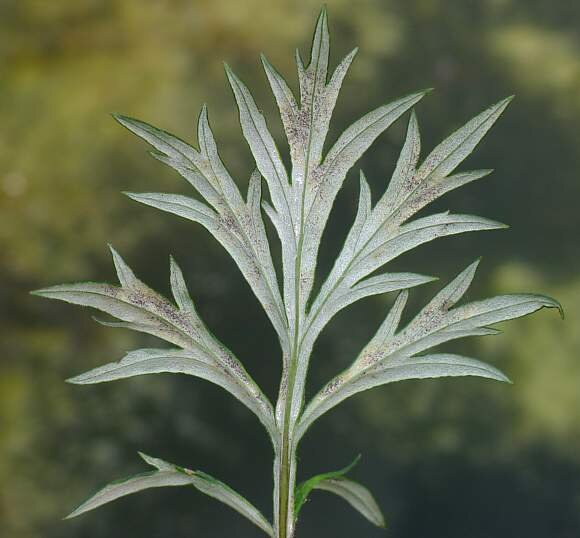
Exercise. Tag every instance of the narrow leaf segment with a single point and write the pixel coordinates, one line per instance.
(298, 203)
(359, 497)
(167, 474)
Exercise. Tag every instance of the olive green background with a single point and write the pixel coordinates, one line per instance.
(446, 458)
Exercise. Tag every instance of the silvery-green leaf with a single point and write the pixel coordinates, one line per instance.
(228, 217)
(162, 141)
(307, 133)
(221, 492)
(126, 277)
(500, 308)
(180, 291)
(158, 463)
(438, 322)
(352, 382)
(248, 247)
(133, 303)
(357, 138)
(391, 356)
(454, 149)
(144, 308)
(257, 236)
(284, 97)
(383, 237)
(140, 308)
(306, 127)
(354, 264)
(359, 497)
(362, 215)
(335, 83)
(323, 311)
(403, 346)
(411, 189)
(429, 191)
(254, 203)
(286, 235)
(391, 323)
(183, 206)
(262, 145)
(198, 363)
(402, 176)
(329, 177)
(300, 206)
(453, 291)
(133, 484)
(388, 282)
(303, 489)
(418, 232)
(167, 474)
(174, 153)
(213, 166)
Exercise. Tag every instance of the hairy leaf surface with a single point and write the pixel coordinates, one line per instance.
(298, 203)
(393, 356)
(141, 309)
(167, 474)
(355, 494)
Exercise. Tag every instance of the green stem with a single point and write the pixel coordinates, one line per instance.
(286, 490)
(287, 467)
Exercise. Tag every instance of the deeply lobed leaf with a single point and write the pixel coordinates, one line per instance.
(140, 308)
(299, 206)
(167, 474)
(393, 356)
(236, 226)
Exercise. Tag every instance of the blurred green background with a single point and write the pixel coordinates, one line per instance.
(446, 458)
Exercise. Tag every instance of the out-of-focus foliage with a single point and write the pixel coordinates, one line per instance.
(461, 459)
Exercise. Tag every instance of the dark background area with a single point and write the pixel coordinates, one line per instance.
(445, 458)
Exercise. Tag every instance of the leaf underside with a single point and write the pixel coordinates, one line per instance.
(298, 204)
(167, 474)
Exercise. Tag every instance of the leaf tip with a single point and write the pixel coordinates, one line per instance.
(550, 302)
(37, 293)
(76, 380)
(45, 292)
(230, 74)
(497, 225)
(114, 253)
(557, 304)
(145, 457)
(503, 104)
(132, 195)
(362, 178)
(125, 121)
(203, 113)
